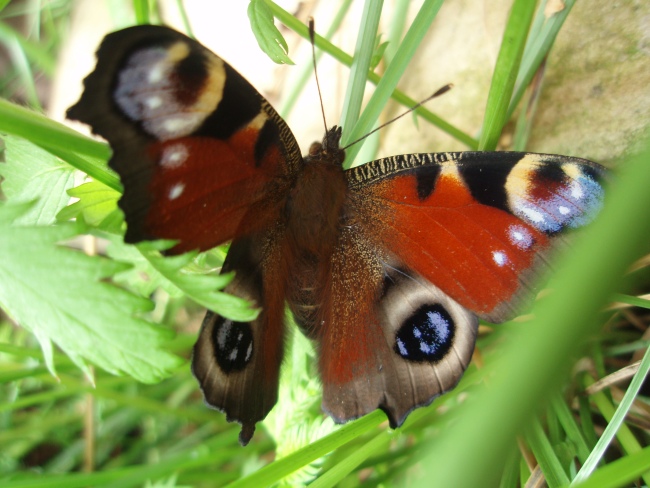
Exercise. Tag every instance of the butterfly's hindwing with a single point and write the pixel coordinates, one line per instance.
(410, 343)
(237, 364)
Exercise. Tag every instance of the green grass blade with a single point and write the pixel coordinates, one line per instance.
(543, 451)
(505, 72)
(290, 21)
(59, 140)
(279, 469)
(541, 40)
(393, 74)
(396, 28)
(333, 476)
(630, 300)
(616, 423)
(24, 72)
(570, 426)
(35, 52)
(307, 69)
(141, 9)
(619, 473)
(360, 65)
(187, 26)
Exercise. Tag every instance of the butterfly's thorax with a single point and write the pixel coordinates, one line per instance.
(315, 203)
(314, 210)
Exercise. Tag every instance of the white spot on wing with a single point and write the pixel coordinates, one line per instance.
(532, 214)
(440, 325)
(174, 156)
(222, 335)
(520, 237)
(177, 124)
(576, 190)
(176, 191)
(233, 354)
(156, 73)
(402, 350)
(564, 210)
(153, 102)
(500, 257)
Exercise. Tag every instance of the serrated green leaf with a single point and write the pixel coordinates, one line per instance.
(61, 296)
(29, 172)
(113, 223)
(142, 277)
(96, 202)
(178, 276)
(267, 34)
(202, 288)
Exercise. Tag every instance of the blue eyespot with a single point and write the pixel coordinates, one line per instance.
(427, 335)
(233, 344)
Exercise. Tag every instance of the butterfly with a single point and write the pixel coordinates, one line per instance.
(387, 266)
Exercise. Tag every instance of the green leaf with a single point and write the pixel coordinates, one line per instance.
(61, 296)
(267, 34)
(96, 203)
(29, 173)
(378, 53)
(200, 287)
(81, 152)
(140, 277)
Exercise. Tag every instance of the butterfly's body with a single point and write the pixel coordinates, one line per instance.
(316, 203)
(387, 266)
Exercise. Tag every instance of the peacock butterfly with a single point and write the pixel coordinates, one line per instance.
(386, 266)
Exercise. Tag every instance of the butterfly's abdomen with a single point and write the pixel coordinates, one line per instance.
(314, 212)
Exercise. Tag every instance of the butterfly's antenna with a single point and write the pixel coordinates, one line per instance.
(439, 92)
(312, 38)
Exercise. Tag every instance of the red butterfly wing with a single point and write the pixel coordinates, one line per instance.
(203, 159)
(430, 241)
(478, 225)
(195, 145)
(369, 355)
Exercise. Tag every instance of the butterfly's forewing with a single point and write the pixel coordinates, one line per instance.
(478, 225)
(194, 143)
(430, 241)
